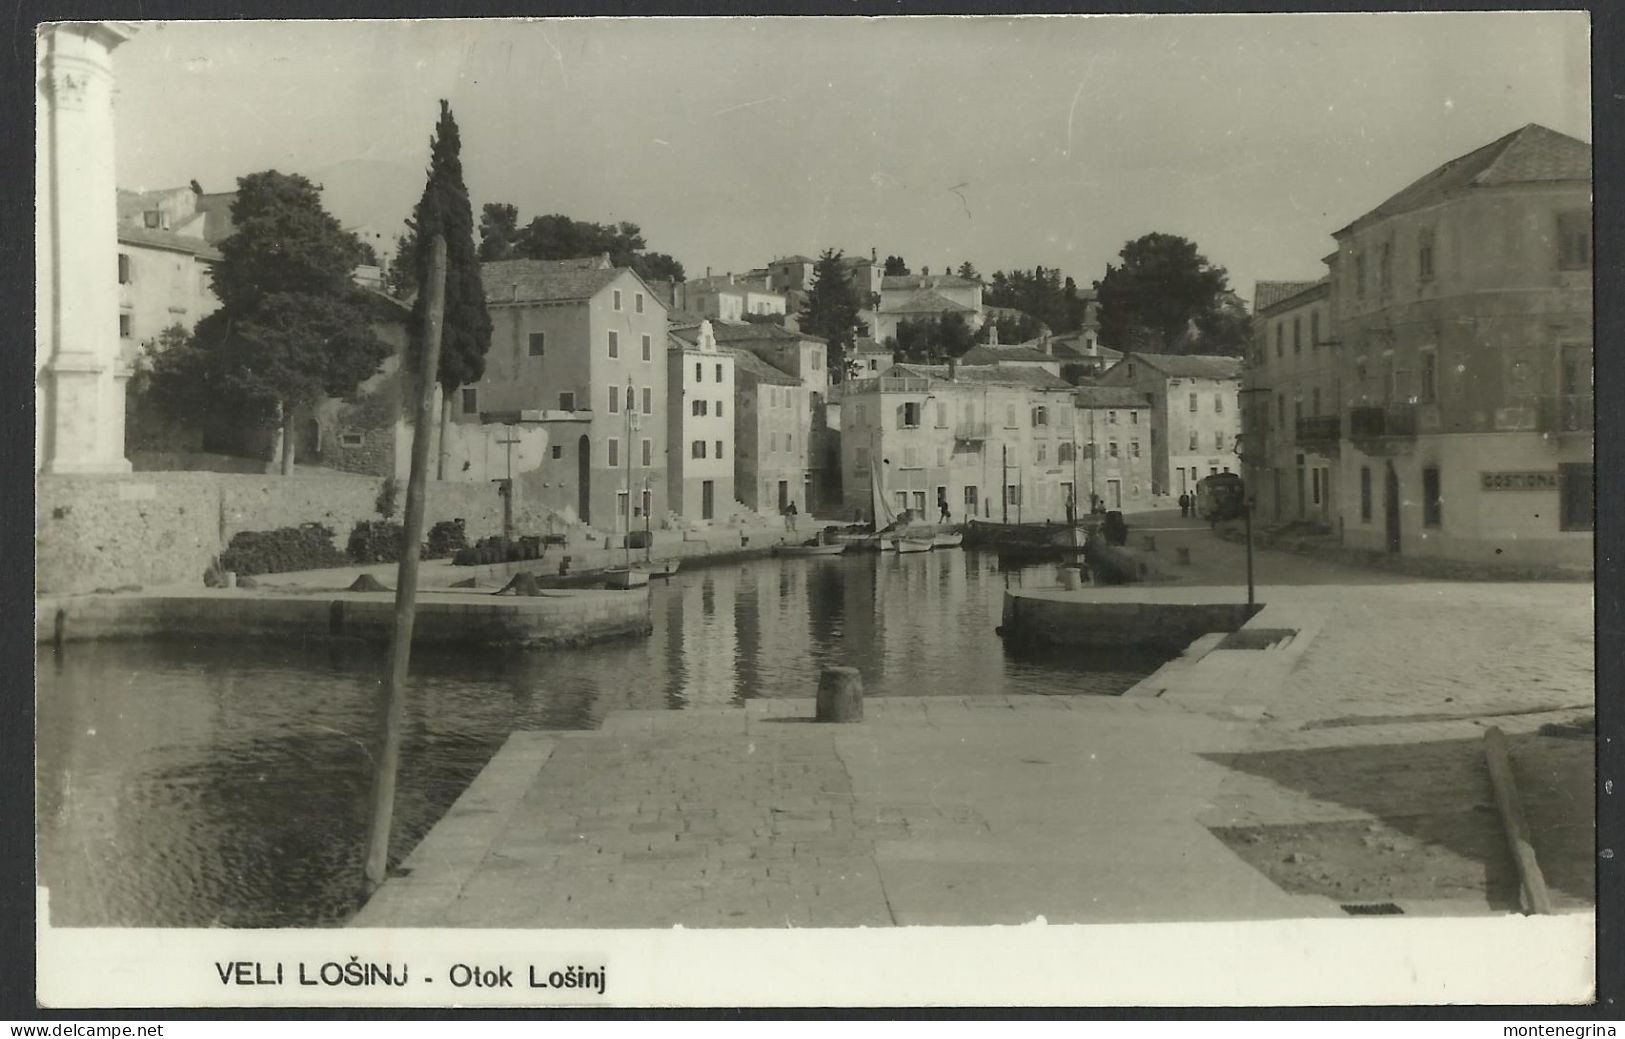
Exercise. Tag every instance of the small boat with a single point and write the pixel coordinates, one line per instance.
(660, 567)
(867, 543)
(947, 539)
(626, 577)
(814, 549)
(906, 545)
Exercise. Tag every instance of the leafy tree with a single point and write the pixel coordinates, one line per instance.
(1017, 328)
(1163, 287)
(466, 327)
(831, 311)
(499, 230)
(764, 319)
(895, 266)
(968, 270)
(291, 327)
(369, 255)
(401, 278)
(932, 340)
(559, 237)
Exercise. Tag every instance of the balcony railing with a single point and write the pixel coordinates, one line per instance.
(1319, 429)
(1567, 413)
(1383, 420)
(972, 431)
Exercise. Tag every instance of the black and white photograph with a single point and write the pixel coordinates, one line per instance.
(817, 511)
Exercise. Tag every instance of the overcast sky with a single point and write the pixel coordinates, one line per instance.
(1009, 142)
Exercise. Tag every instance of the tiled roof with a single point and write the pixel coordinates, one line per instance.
(928, 303)
(798, 258)
(987, 354)
(900, 282)
(1109, 397)
(763, 332)
(216, 210)
(600, 262)
(868, 345)
(684, 317)
(1015, 375)
(167, 240)
(747, 363)
(1529, 154)
(1192, 366)
(1268, 293)
(541, 281)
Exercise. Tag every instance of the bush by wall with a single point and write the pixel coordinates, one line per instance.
(447, 538)
(375, 541)
(308, 546)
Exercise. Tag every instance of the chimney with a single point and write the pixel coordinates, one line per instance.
(708, 272)
(874, 255)
(730, 277)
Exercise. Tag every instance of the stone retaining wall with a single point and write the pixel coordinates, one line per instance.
(155, 529)
(1072, 622)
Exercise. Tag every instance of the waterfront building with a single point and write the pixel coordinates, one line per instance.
(1464, 308)
(1291, 399)
(994, 443)
(1113, 426)
(572, 343)
(700, 421)
(771, 420)
(924, 297)
(1195, 414)
(167, 249)
(81, 365)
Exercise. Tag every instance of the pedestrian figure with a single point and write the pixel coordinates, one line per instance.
(1184, 504)
(790, 517)
(1071, 511)
(942, 509)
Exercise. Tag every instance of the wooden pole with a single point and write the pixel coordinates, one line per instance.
(1532, 884)
(1247, 519)
(386, 759)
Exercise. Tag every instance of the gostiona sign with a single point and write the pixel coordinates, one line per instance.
(1539, 480)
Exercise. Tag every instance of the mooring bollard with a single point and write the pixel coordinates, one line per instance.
(1150, 542)
(1071, 578)
(1184, 554)
(840, 695)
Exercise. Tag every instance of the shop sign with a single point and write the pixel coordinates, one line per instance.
(1538, 480)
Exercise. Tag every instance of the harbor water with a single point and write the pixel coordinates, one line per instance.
(224, 784)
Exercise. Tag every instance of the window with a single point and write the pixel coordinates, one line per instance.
(1012, 494)
(1040, 416)
(1280, 338)
(614, 400)
(1111, 449)
(1134, 418)
(1194, 447)
(1218, 404)
(1111, 418)
(719, 408)
(1010, 416)
(567, 402)
(719, 449)
(1193, 402)
(350, 439)
(1574, 240)
(789, 441)
(617, 299)
(470, 401)
(1131, 370)
(1297, 334)
(1134, 448)
(1432, 506)
(1280, 409)
(125, 329)
(649, 402)
(1314, 328)
(1424, 255)
(538, 343)
(648, 348)
(614, 344)
(911, 416)
(860, 459)
(719, 373)
(558, 451)
(696, 449)
(1365, 494)
(699, 372)
(648, 451)
(1359, 275)
(637, 305)
(1067, 452)
(942, 415)
(1218, 441)
(614, 452)
(1430, 376)
(696, 407)
(1385, 268)
(1314, 401)
(911, 457)
(124, 268)
(942, 456)
(1043, 452)
(151, 218)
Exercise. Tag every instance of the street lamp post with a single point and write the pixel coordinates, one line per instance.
(1244, 461)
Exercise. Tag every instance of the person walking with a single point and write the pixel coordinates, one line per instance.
(1184, 504)
(942, 510)
(790, 517)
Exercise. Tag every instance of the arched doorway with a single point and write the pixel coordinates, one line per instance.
(1390, 507)
(584, 479)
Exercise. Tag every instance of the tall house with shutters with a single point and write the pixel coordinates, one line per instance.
(1195, 402)
(700, 426)
(1463, 310)
(578, 347)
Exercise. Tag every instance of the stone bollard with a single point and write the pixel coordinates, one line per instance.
(1071, 578)
(1184, 554)
(840, 695)
(1150, 542)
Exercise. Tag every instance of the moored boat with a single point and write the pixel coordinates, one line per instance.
(660, 567)
(906, 545)
(947, 539)
(814, 549)
(625, 577)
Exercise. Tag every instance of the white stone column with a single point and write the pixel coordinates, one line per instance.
(79, 368)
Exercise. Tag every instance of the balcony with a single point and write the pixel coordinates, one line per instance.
(1319, 429)
(1383, 429)
(1573, 413)
(971, 432)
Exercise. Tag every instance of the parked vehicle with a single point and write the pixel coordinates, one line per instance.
(1221, 496)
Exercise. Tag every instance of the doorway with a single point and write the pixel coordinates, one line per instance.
(784, 494)
(708, 498)
(1390, 507)
(584, 479)
(1114, 494)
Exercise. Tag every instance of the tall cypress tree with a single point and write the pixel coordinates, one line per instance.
(466, 329)
(831, 311)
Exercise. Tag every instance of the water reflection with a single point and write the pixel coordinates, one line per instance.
(225, 784)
